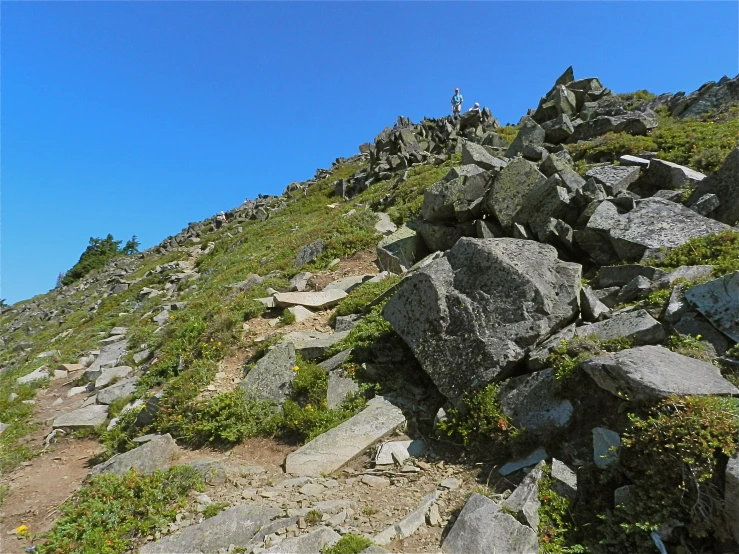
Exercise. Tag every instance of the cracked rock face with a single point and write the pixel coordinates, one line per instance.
(474, 313)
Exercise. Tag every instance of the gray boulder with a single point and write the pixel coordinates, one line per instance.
(634, 123)
(384, 224)
(459, 199)
(111, 374)
(309, 253)
(481, 307)
(557, 130)
(633, 161)
(664, 175)
(638, 326)
(620, 275)
(531, 403)
(592, 308)
(299, 282)
(725, 185)
(614, 178)
(564, 480)
(272, 376)
(36, 375)
(120, 390)
(313, 344)
(524, 500)
(235, 526)
(718, 301)
(705, 204)
(339, 387)
(467, 170)
(475, 154)
(529, 133)
(88, 417)
(398, 252)
(482, 528)
(439, 237)
(537, 358)
(510, 189)
(312, 543)
(150, 456)
(606, 446)
(649, 373)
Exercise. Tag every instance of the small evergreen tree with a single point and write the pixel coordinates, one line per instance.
(131, 247)
(97, 254)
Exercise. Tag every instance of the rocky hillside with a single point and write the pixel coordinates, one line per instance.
(467, 338)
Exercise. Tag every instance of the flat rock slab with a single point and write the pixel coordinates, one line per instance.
(316, 300)
(272, 376)
(532, 459)
(638, 326)
(718, 301)
(152, 455)
(648, 373)
(112, 373)
(301, 314)
(312, 543)
(37, 375)
(483, 528)
(120, 390)
(348, 284)
(331, 450)
(88, 417)
(313, 344)
(398, 252)
(235, 526)
(108, 357)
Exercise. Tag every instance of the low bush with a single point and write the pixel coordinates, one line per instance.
(481, 420)
(555, 520)
(720, 250)
(566, 359)
(363, 295)
(348, 544)
(111, 514)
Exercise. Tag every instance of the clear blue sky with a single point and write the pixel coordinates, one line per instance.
(139, 117)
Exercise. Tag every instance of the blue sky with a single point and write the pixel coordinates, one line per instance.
(139, 117)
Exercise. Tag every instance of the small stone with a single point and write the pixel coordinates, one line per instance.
(376, 482)
(606, 444)
(433, 518)
(450, 483)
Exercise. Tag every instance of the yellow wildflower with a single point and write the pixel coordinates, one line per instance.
(295, 368)
(22, 530)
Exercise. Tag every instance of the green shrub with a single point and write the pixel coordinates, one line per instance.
(566, 359)
(372, 329)
(720, 250)
(672, 457)
(633, 99)
(687, 345)
(348, 544)
(112, 513)
(97, 254)
(214, 509)
(287, 317)
(313, 517)
(555, 520)
(481, 419)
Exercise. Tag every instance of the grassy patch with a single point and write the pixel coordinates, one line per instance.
(348, 544)
(566, 359)
(214, 509)
(111, 514)
(363, 295)
(372, 329)
(720, 250)
(690, 346)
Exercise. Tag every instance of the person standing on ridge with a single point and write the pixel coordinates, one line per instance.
(457, 102)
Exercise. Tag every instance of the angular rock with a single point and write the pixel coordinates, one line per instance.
(410, 523)
(467, 309)
(664, 175)
(705, 204)
(488, 229)
(384, 225)
(467, 170)
(731, 495)
(112, 373)
(272, 376)
(531, 403)
(696, 325)
(459, 199)
(346, 322)
(348, 284)
(309, 253)
(638, 326)
(299, 282)
(475, 154)
(109, 356)
(557, 130)
(331, 450)
(313, 344)
(718, 301)
(316, 300)
(606, 444)
(537, 358)
(524, 500)
(235, 526)
(634, 123)
(398, 252)
(547, 201)
(633, 161)
(725, 185)
(439, 237)
(614, 178)
(301, 314)
(335, 361)
(592, 308)
(638, 287)
(36, 375)
(339, 388)
(312, 543)
(620, 275)
(528, 133)
(120, 390)
(483, 528)
(564, 480)
(399, 451)
(83, 418)
(532, 459)
(150, 456)
(510, 189)
(142, 356)
(649, 373)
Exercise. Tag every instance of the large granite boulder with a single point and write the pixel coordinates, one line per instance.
(649, 373)
(471, 315)
(475, 154)
(638, 326)
(459, 199)
(725, 185)
(309, 253)
(530, 133)
(664, 175)
(531, 403)
(150, 456)
(614, 178)
(718, 301)
(510, 189)
(272, 376)
(398, 252)
(482, 527)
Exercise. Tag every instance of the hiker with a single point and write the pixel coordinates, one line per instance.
(457, 102)
(220, 220)
(475, 108)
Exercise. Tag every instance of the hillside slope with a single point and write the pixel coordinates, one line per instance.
(558, 293)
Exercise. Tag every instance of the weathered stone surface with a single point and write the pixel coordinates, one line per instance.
(466, 170)
(620, 275)
(532, 459)
(475, 154)
(142, 356)
(120, 390)
(718, 301)
(592, 308)
(439, 237)
(529, 133)
(633, 161)
(725, 185)
(531, 404)
(384, 224)
(272, 376)
(299, 282)
(313, 344)
(664, 175)
(301, 314)
(705, 204)
(109, 356)
(398, 252)
(537, 358)
(399, 451)
(694, 324)
(309, 253)
(656, 223)
(346, 322)
(331, 450)
(488, 229)
(564, 480)
(524, 500)
(235, 526)
(638, 326)
(614, 178)
(731, 495)
(348, 284)
(606, 445)
(316, 300)
(638, 287)
(648, 373)
(339, 387)
(36, 375)
(481, 307)
(410, 523)
(335, 361)
(152, 455)
(112, 373)
(483, 528)
(634, 123)
(557, 130)
(510, 189)
(83, 418)
(459, 199)
(312, 543)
